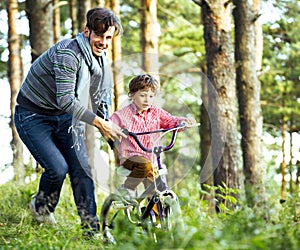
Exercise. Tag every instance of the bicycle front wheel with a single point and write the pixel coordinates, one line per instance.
(171, 218)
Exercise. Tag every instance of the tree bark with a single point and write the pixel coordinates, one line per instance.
(258, 35)
(40, 16)
(15, 75)
(56, 20)
(100, 3)
(149, 37)
(82, 7)
(248, 87)
(217, 20)
(73, 14)
(116, 58)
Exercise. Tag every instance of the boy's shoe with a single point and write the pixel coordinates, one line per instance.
(128, 194)
(45, 218)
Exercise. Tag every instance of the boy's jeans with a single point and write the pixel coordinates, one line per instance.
(50, 142)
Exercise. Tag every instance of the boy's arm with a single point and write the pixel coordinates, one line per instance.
(169, 121)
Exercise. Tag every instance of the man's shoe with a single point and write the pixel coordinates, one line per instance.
(92, 235)
(41, 218)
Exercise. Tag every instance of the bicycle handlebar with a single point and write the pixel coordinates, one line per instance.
(161, 148)
(165, 148)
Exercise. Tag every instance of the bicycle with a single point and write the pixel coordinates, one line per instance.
(141, 212)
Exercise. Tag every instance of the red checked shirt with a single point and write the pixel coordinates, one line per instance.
(152, 119)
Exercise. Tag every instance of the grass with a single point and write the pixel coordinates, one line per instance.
(243, 228)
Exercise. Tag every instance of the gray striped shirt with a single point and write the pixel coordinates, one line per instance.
(50, 85)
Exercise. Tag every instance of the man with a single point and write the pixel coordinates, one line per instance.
(52, 109)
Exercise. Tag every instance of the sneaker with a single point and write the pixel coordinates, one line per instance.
(91, 229)
(128, 194)
(41, 218)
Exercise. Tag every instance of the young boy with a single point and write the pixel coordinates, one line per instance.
(141, 115)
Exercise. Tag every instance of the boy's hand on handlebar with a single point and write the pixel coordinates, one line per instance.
(109, 130)
(188, 122)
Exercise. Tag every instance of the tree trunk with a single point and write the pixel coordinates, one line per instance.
(248, 87)
(149, 37)
(15, 69)
(100, 3)
(217, 20)
(117, 60)
(56, 20)
(40, 16)
(72, 8)
(258, 35)
(82, 8)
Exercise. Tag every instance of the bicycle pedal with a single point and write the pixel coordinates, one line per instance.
(118, 205)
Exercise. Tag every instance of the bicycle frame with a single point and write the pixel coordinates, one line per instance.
(157, 150)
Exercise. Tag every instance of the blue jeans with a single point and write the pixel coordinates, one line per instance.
(50, 142)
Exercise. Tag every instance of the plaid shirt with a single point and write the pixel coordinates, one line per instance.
(152, 119)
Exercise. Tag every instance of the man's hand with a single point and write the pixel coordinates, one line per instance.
(109, 130)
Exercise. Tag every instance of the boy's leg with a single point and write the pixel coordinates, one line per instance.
(140, 168)
(149, 178)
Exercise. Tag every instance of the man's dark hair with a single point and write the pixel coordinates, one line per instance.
(100, 19)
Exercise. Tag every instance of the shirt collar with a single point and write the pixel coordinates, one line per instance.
(135, 111)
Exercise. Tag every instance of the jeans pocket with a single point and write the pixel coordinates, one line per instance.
(25, 116)
(24, 119)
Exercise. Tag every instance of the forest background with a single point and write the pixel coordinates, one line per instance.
(233, 65)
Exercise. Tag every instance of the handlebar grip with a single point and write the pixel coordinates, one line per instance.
(125, 131)
(183, 124)
(116, 143)
(111, 144)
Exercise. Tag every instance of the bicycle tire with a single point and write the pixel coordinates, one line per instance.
(108, 214)
(171, 218)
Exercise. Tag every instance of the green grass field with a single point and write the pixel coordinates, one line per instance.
(242, 228)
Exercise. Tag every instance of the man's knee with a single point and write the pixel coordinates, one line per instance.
(58, 174)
